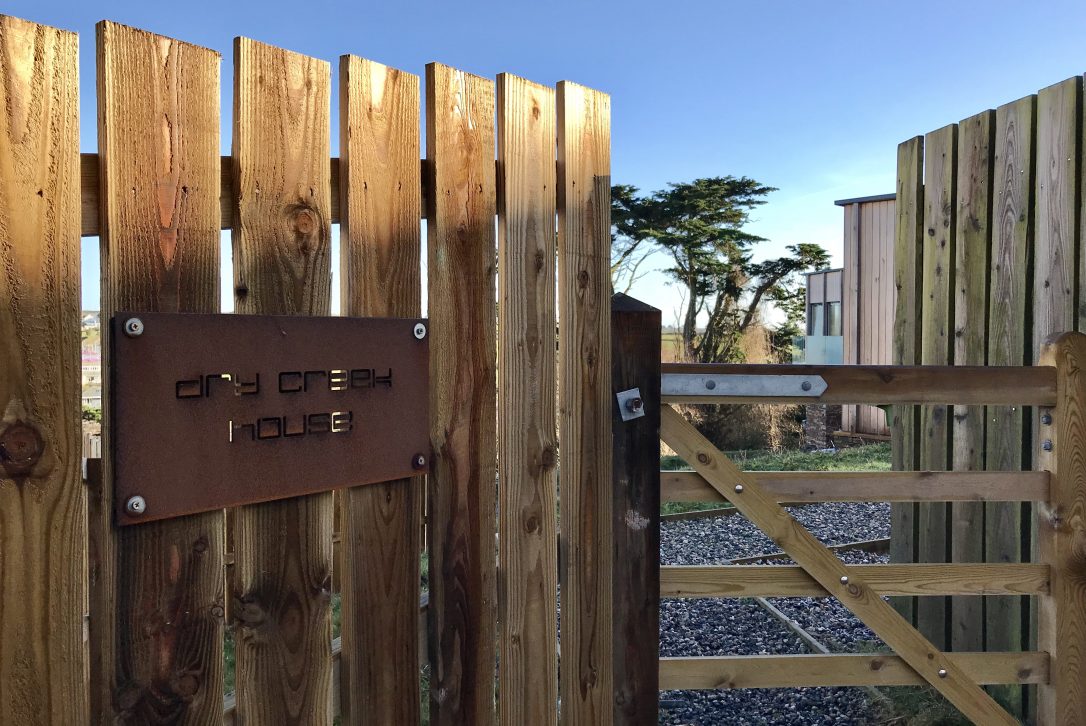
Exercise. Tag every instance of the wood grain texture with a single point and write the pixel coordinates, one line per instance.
(853, 592)
(635, 363)
(282, 581)
(1009, 343)
(864, 486)
(461, 300)
(157, 589)
(908, 263)
(933, 384)
(936, 348)
(850, 304)
(527, 445)
(971, 252)
(1061, 531)
(380, 246)
(1059, 108)
(43, 585)
(584, 284)
(910, 579)
(783, 671)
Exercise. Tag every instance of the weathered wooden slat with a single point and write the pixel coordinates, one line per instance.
(788, 671)
(585, 402)
(380, 247)
(850, 305)
(936, 348)
(43, 526)
(1061, 529)
(908, 263)
(971, 252)
(910, 579)
(635, 364)
(875, 486)
(282, 580)
(527, 446)
(461, 254)
(157, 593)
(748, 496)
(880, 385)
(1008, 344)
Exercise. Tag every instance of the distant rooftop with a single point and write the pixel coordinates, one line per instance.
(861, 200)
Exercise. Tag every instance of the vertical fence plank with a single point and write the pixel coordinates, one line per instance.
(584, 284)
(1008, 344)
(850, 305)
(162, 585)
(462, 490)
(43, 525)
(527, 449)
(380, 243)
(971, 250)
(936, 349)
(283, 549)
(908, 257)
(1061, 529)
(635, 363)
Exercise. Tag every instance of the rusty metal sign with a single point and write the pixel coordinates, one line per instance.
(213, 411)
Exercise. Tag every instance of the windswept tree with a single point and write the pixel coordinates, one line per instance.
(699, 226)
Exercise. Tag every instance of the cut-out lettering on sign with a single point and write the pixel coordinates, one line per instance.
(213, 411)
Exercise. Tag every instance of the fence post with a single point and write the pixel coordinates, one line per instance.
(635, 364)
(1061, 532)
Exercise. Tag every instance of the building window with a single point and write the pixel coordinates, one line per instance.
(833, 318)
(815, 323)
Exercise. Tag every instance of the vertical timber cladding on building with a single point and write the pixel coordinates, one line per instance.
(1008, 343)
(157, 588)
(971, 251)
(283, 549)
(936, 348)
(43, 672)
(584, 350)
(380, 245)
(527, 446)
(462, 487)
(908, 258)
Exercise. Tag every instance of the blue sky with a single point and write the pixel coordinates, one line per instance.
(809, 97)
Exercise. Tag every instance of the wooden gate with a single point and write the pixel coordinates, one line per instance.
(162, 596)
(1057, 386)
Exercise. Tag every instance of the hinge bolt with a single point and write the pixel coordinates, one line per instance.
(844, 579)
(634, 405)
(942, 673)
(420, 331)
(418, 461)
(1047, 445)
(806, 385)
(738, 488)
(136, 505)
(1046, 419)
(133, 327)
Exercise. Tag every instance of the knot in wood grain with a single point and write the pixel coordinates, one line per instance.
(307, 226)
(21, 447)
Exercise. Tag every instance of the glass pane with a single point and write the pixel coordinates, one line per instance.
(815, 324)
(833, 318)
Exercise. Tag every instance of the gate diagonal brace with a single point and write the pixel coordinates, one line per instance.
(747, 495)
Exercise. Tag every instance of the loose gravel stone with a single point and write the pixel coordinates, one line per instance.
(711, 627)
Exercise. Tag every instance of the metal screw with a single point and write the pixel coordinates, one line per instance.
(634, 405)
(844, 579)
(420, 331)
(1046, 419)
(1047, 445)
(710, 385)
(133, 327)
(806, 385)
(136, 505)
(942, 673)
(418, 461)
(738, 488)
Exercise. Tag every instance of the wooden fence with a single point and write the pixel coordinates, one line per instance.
(149, 649)
(988, 265)
(1056, 386)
